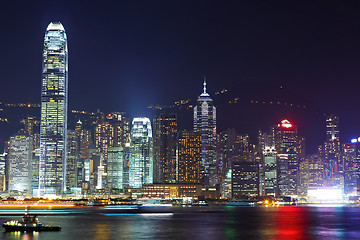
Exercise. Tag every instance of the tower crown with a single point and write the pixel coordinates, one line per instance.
(55, 26)
(204, 94)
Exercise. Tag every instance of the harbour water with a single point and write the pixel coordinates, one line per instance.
(222, 223)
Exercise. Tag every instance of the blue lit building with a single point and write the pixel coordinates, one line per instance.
(54, 101)
(141, 153)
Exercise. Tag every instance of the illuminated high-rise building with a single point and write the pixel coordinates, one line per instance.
(104, 138)
(205, 123)
(270, 171)
(71, 160)
(188, 157)
(165, 130)
(141, 153)
(20, 163)
(115, 168)
(245, 180)
(3, 157)
(83, 140)
(286, 144)
(332, 153)
(54, 101)
(351, 158)
(311, 174)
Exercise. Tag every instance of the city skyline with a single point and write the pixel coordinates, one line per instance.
(257, 68)
(181, 119)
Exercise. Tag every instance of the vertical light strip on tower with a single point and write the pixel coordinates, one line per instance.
(54, 99)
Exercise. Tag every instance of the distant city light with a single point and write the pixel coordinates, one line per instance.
(354, 140)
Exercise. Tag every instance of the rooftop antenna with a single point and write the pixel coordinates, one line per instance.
(204, 84)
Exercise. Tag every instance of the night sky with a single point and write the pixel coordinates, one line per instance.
(127, 55)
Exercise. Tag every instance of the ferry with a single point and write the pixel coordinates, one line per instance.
(28, 223)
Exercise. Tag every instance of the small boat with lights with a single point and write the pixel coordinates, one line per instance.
(29, 223)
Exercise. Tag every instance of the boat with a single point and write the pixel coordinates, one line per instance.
(29, 223)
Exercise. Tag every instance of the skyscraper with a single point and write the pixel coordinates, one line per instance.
(141, 153)
(286, 143)
(270, 173)
(19, 160)
(165, 130)
(205, 123)
(115, 168)
(188, 159)
(54, 101)
(71, 160)
(332, 154)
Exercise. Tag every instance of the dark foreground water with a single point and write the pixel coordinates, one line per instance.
(288, 223)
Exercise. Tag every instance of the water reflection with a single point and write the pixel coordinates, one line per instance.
(228, 223)
(290, 223)
(21, 235)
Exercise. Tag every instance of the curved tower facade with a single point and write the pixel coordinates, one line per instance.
(54, 101)
(205, 123)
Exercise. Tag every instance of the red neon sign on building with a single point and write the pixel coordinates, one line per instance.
(285, 124)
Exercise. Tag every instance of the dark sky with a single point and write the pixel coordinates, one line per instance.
(126, 55)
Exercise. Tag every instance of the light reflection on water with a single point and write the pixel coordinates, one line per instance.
(229, 223)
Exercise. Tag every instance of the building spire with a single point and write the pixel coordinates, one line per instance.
(204, 84)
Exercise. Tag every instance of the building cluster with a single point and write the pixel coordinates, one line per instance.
(107, 154)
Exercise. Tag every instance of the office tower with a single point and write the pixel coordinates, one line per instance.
(165, 130)
(205, 123)
(286, 142)
(311, 174)
(245, 180)
(54, 101)
(112, 130)
(104, 138)
(126, 165)
(332, 153)
(35, 172)
(115, 169)
(188, 157)
(71, 160)
(121, 125)
(270, 170)
(225, 146)
(266, 149)
(241, 151)
(90, 169)
(83, 140)
(3, 157)
(19, 161)
(141, 153)
(351, 159)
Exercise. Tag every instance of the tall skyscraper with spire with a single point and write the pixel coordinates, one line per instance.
(205, 123)
(54, 101)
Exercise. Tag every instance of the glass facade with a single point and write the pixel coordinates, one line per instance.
(165, 130)
(115, 168)
(141, 153)
(19, 160)
(205, 123)
(54, 99)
